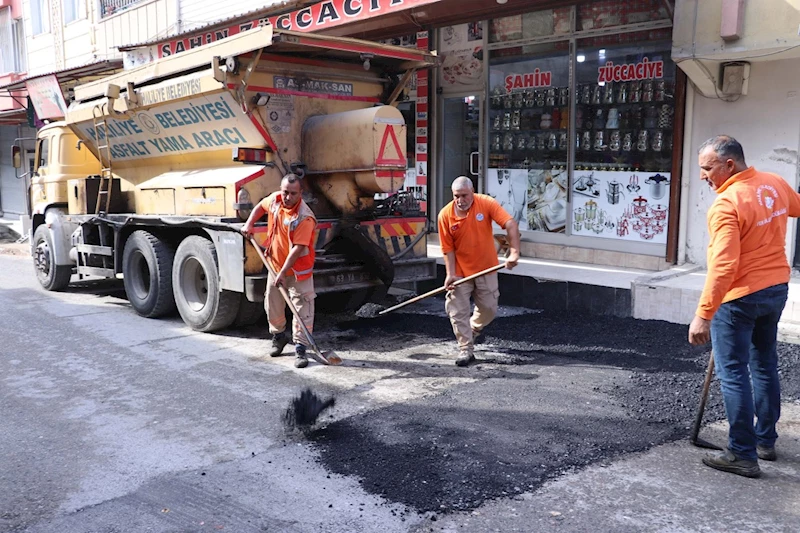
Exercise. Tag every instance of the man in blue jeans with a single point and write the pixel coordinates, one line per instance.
(743, 298)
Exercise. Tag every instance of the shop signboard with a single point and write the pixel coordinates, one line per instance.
(461, 49)
(46, 96)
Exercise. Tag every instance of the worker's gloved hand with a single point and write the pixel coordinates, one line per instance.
(449, 280)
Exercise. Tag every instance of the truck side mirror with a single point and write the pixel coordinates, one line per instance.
(16, 156)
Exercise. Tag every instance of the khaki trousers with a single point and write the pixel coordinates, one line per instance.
(484, 291)
(302, 295)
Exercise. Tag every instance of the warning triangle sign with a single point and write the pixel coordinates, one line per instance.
(390, 153)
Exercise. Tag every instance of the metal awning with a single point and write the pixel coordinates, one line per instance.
(13, 117)
(80, 74)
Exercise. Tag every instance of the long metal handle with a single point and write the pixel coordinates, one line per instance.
(698, 420)
(442, 289)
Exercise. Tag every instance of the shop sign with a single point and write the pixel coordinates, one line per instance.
(644, 70)
(529, 80)
(47, 98)
(320, 16)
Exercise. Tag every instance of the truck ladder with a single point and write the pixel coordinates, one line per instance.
(106, 177)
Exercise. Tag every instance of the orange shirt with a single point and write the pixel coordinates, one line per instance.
(747, 226)
(283, 236)
(471, 237)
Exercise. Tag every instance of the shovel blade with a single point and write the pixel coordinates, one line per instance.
(702, 443)
(332, 358)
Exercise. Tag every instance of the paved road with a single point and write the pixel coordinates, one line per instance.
(114, 423)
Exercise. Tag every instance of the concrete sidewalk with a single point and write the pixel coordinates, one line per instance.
(666, 489)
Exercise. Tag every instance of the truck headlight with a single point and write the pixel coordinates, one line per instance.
(244, 204)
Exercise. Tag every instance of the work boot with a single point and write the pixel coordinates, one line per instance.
(464, 358)
(727, 462)
(300, 359)
(766, 454)
(279, 342)
(477, 336)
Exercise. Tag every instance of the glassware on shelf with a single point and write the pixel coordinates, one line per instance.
(508, 142)
(635, 92)
(552, 141)
(506, 121)
(599, 140)
(586, 141)
(528, 99)
(522, 142)
(540, 97)
(642, 141)
(627, 142)
(660, 91)
(647, 91)
(550, 97)
(657, 143)
(515, 120)
(597, 95)
(613, 119)
(614, 141)
(608, 93)
(497, 142)
(497, 122)
(622, 93)
(517, 100)
(586, 94)
(563, 96)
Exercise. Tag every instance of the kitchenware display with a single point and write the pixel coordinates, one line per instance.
(587, 224)
(636, 118)
(601, 216)
(497, 97)
(624, 120)
(639, 206)
(633, 184)
(659, 212)
(608, 93)
(599, 140)
(647, 233)
(518, 100)
(668, 141)
(660, 91)
(506, 121)
(563, 96)
(497, 122)
(591, 209)
(539, 95)
(598, 228)
(635, 92)
(642, 141)
(586, 141)
(550, 97)
(562, 140)
(665, 117)
(541, 141)
(586, 94)
(614, 192)
(660, 226)
(507, 102)
(515, 120)
(521, 142)
(614, 141)
(658, 186)
(552, 141)
(528, 99)
(613, 119)
(532, 143)
(508, 142)
(579, 215)
(627, 142)
(546, 121)
(599, 119)
(650, 117)
(622, 93)
(657, 143)
(597, 95)
(497, 142)
(622, 227)
(576, 225)
(647, 91)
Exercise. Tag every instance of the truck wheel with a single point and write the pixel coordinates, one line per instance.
(249, 312)
(147, 271)
(51, 276)
(195, 281)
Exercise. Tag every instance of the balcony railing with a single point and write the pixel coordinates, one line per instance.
(112, 7)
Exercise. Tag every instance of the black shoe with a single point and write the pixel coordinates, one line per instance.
(464, 358)
(478, 337)
(300, 359)
(727, 462)
(766, 454)
(279, 342)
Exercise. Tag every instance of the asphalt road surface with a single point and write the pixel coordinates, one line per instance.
(110, 422)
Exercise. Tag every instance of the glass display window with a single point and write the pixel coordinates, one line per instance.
(612, 13)
(528, 123)
(529, 25)
(624, 114)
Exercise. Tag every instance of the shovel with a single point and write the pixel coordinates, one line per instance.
(366, 314)
(698, 420)
(326, 358)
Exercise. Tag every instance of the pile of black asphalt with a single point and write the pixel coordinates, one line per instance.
(552, 393)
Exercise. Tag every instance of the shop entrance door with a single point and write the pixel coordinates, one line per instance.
(462, 143)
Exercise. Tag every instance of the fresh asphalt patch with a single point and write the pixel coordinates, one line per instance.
(587, 389)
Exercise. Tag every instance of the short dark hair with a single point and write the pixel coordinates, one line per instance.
(726, 147)
(292, 178)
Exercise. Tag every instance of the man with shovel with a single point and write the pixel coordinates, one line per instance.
(743, 298)
(290, 251)
(467, 240)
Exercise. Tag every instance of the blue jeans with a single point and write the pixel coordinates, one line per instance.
(744, 335)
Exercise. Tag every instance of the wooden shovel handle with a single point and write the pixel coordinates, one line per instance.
(442, 289)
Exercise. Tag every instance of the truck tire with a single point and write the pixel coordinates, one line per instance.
(51, 276)
(195, 282)
(147, 271)
(249, 312)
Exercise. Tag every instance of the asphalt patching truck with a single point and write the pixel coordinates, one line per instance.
(153, 171)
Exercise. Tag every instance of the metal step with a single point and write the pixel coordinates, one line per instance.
(96, 271)
(96, 250)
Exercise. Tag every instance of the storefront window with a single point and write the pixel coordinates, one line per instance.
(610, 13)
(624, 142)
(537, 24)
(528, 138)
